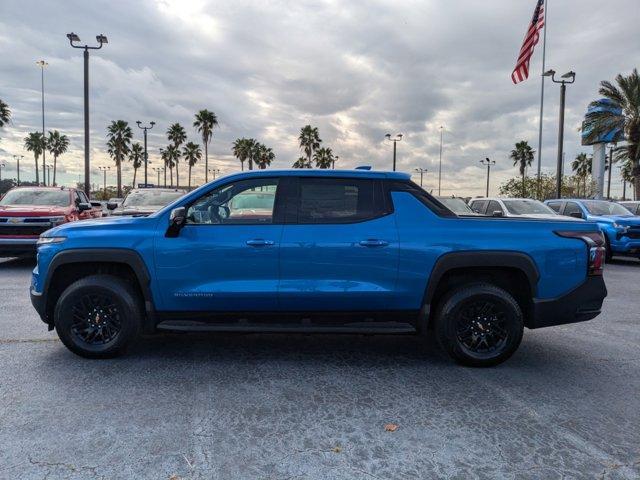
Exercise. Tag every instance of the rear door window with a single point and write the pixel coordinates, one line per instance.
(339, 200)
(479, 206)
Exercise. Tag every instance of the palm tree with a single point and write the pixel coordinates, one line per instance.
(56, 145)
(522, 156)
(35, 142)
(137, 157)
(301, 163)
(119, 137)
(602, 118)
(263, 156)
(177, 134)
(626, 172)
(323, 158)
(171, 157)
(582, 167)
(5, 114)
(241, 150)
(204, 123)
(309, 141)
(191, 153)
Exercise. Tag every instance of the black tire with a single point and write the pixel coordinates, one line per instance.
(98, 316)
(479, 325)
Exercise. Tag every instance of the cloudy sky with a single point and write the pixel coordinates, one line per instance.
(356, 69)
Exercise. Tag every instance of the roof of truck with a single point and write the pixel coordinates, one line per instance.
(312, 172)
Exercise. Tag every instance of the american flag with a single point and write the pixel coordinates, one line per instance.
(521, 72)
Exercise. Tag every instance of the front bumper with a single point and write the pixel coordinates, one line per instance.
(582, 303)
(10, 247)
(38, 302)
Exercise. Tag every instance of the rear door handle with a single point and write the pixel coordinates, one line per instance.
(372, 242)
(259, 242)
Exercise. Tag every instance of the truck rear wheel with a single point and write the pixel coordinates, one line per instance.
(479, 325)
(98, 316)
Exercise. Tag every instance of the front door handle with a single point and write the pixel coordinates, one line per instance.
(259, 242)
(372, 242)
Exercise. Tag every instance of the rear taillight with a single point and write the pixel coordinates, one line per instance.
(595, 249)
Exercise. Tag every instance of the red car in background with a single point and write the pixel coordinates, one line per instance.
(26, 212)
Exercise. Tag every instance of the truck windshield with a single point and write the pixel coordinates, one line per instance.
(527, 207)
(147, 198)
(32, 196)
(599, 207)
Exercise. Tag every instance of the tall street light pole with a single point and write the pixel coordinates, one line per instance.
(42, 64)
(102, 39)
(489, 164)
(421, 171)
(146, 155)
(566, 79)
(158, 170)
(214, 171)
(48, 167)
(333, 162)
(104, 177)
(440, 163)
(17, 158)
(395, 140)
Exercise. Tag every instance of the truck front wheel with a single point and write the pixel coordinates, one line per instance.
(98, 316)
(479, 325)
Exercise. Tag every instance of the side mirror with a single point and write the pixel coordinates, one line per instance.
(497, 213)
(112, 205)
(177, 220)
(83, 206)
(576, 214)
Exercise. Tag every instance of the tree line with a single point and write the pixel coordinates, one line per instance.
(623, 94)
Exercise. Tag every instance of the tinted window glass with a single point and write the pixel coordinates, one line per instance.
(555, 206)
(572, 207)
(241, 203)
(478, 205)
(340, 200)
(601, 207)
(493, 207)
(526, 207)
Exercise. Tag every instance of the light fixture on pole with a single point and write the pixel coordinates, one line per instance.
(566, 79)
(489, 164)
(333, 162)
(421, 171)
(104, 173)
(42, 64)
(17, 158)
(101, 39)
(214, 171)
(146, 155)
(395, 140)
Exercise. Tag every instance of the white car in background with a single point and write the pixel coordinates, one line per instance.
(513, 207)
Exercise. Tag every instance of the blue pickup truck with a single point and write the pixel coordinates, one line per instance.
(317, 251)
(620, 227)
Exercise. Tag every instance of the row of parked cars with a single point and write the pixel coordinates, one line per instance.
(619, 222)
(26, 212)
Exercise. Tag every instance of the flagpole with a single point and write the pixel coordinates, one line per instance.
(544, 51)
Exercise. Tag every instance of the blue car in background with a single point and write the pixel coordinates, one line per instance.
(620, 226)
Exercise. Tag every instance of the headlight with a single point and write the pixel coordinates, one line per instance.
(50, 240)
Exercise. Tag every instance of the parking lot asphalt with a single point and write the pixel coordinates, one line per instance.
(566, 405)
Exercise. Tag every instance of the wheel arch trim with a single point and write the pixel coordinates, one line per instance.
(487, 259)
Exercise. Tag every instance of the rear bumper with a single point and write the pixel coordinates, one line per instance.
(582, 303)
(17, 246)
